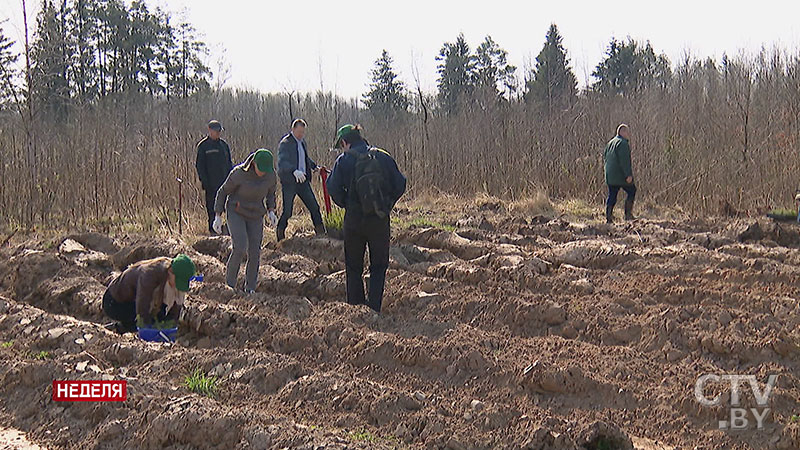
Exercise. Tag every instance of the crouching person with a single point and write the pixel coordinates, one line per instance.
(148, 291)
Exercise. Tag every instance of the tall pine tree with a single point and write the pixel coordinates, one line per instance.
(51, 58)
(552, 84)
(387, 94)
(629, 68)
(492, 71)
(456, 73)
(8, 71)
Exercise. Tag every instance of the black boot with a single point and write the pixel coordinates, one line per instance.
(280, 234)
(629, 209)
(609, 215)
(121, 327)
(319, 229)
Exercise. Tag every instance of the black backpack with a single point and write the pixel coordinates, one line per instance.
(370, 183)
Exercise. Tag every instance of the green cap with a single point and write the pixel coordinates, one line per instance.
(263, 160)
(343, 132)
(183, 269)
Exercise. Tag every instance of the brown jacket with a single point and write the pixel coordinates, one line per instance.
(245, 192)
(143, 283)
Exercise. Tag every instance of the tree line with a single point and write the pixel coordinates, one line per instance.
(103, 105)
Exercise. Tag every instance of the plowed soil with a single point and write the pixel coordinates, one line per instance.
(509, 332)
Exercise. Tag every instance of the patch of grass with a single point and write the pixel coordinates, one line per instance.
(42, 355)
(421, 222)
(363, 436)
(7, 344)
(334, 220)
(579, 208)
(535, 205)
(794, 419)
(783, 213)
(200, 383)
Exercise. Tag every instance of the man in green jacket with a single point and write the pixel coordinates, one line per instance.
(619, 174)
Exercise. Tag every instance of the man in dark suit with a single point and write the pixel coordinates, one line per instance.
(213, 166)
(295, 167)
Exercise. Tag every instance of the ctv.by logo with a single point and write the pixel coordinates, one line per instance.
(739, 416)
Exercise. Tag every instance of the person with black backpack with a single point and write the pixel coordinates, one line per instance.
(366, 182)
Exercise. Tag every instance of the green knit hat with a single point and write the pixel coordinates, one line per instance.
(264, 160)
(183, 268)
(343, 132)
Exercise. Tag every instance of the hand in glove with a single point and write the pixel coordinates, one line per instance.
(273, 219)
(299, 176)
(217, 225)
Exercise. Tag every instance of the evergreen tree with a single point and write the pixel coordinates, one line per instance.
(387, 94)
(192, 73)
(456, 73)
(8, 71)
(82, 22)
(49, 56)
(629, 68)
(492, 71)
(552, 85)
(87, 49)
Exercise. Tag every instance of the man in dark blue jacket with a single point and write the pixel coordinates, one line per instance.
(360, 228)
(295, 167)
(213, 166)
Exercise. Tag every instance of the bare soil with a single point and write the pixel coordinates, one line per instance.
(511, 332)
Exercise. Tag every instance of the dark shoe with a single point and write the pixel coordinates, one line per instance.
(280, 234)
(320, 230)
(121, 328)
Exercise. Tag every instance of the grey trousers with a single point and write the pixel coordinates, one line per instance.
(246, 235)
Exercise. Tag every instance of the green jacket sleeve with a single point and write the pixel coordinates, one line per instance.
(624, 158)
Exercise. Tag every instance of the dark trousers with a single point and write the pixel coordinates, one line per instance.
(613, 191)
(360, 232)
(291, 189)
(211, 197)
(124, 313)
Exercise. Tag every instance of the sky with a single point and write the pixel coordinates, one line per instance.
(307, 44)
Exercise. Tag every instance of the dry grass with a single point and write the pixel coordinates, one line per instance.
(536, 205)
(114, 165)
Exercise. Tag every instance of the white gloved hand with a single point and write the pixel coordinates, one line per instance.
(217, 225)
(273, 219)
(299, 176)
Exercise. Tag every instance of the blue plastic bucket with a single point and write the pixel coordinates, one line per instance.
(156, 335)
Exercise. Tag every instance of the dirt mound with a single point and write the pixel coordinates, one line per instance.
(147, 249)
(98, 242)
(218, 247)
(508, 333)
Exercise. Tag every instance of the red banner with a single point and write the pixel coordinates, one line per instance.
(90, 391)
(323, 173)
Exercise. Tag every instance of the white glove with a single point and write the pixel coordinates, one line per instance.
(217, 225)
(273, 219)
(299, 176)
